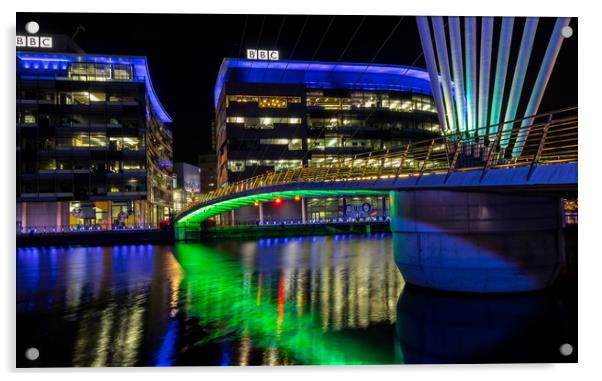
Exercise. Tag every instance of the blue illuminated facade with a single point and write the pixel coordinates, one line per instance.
(93, 146)
(324, 75)
(274, 115)
(43, 66)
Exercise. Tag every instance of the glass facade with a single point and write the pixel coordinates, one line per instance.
(291, 114)
(91, 150)
(312, 127)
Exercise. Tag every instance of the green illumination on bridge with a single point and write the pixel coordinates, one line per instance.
(199, 214)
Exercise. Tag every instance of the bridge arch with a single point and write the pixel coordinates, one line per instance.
(194, 216)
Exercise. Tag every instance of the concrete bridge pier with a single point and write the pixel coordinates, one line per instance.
(477, 242)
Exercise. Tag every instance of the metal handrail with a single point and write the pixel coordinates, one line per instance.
(551, 138)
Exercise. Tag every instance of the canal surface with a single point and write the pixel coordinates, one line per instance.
(310, 300)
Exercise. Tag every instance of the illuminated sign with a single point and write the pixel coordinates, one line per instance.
(265, 55)
(34, 42)
(363, 210)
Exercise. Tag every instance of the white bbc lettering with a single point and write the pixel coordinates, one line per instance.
(251, 54)
(33, 42)
(272, 55)
(46, 42)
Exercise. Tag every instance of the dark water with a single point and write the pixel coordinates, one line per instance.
(312, 300)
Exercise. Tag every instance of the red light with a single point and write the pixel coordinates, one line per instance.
(278, 200)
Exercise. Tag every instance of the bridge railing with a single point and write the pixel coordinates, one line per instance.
(536, 140)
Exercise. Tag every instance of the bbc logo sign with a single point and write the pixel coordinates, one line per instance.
(34, 42)
(271, 55)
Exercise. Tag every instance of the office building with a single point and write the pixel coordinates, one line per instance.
(187, 184)
(93, 146)
(275, 115)
(208, 166)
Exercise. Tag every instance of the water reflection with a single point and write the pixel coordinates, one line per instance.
(312, 300)
(94, 306)
(293, 300)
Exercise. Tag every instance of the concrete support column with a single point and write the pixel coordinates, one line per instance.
(24, 215)
(303, 211)
(142, 212)
(477, 242)
(232, 217)
(110, 215)
(59, 215)
(261, 213)
(344, 208)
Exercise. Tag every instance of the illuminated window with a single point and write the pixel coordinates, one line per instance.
(326, 103)
(235, 119)
(115, 143)
(97, 96)
(131, 143)
(65, 98)
(29, 119)
(241, 99)
(274, 141)
(315, 144)
(47, 165)
(80, 140)
(89, 72)
(272, 102)
(262, 122)
(317, 161)
(293, 144)
(266, 122)
(114, 166)
(98, 140)
(236, 166)
(287, 164)
(81, 97)
(276, 164)
(122, 72)
(133, 165)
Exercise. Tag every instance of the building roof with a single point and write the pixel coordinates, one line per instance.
(323, 75)
(46, 64)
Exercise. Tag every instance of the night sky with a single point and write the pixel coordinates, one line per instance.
(185, 51)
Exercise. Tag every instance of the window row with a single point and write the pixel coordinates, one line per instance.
(262, 122)
(263, 101)
(241, 165)
(84, 140)
(250, 144)
(30, 117)
(346, 122)
(77, 97)
(99, 72)
(360, 100)
(32, 186)
(343, 142)
(94, 166)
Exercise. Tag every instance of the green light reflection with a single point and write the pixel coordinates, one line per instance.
(221, 292)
